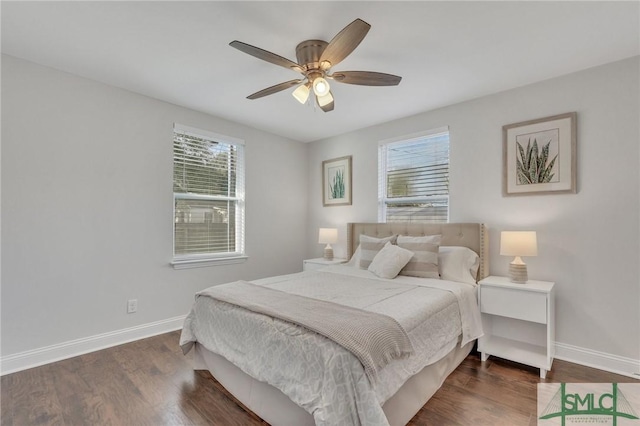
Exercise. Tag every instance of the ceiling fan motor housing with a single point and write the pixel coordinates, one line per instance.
(308, 53)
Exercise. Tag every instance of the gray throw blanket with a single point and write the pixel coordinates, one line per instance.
(375, 339)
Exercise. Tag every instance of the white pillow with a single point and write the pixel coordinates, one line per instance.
(389, 261)
(424, 263)
(355, 259)
(370, 246)
(458, 264)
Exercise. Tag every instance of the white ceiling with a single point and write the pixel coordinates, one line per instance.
(446, 52)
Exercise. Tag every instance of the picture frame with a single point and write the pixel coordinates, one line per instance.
(336, 182)
(539, 156)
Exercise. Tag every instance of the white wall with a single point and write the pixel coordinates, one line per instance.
(588, 242)
(87, 208)
(86, 204)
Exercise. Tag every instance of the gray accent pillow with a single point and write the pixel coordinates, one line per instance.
(370, 246)
(424, 263)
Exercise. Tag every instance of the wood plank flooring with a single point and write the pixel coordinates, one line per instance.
(150, 382)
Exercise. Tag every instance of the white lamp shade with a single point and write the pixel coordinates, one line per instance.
(518, 243)
(301, 93)
(327, 236)
(320, 86)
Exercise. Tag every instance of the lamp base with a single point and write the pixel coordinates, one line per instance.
(518, 273)
(328, 252)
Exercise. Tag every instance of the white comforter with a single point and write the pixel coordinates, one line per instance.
(316, 373)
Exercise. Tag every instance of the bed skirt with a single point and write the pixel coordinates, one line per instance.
(277, 409)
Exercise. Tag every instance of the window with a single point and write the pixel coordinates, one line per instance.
(413, 178)
(208, 197)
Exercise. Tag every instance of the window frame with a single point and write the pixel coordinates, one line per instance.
(383, 145)
(195, 260)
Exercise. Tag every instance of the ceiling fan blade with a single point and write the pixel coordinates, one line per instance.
(366, 78)
(274, 89)
(265, 55)
(345, 42)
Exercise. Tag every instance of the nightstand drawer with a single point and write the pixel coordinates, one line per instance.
(524, 305)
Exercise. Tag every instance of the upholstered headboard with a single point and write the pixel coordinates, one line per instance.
(471, 235)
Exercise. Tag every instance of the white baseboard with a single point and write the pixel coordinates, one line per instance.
(600, 360)
(36, 357)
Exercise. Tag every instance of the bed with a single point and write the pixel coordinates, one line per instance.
(295, 364)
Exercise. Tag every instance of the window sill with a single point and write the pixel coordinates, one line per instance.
(203, 263)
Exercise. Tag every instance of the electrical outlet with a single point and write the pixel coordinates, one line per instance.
(132, 306)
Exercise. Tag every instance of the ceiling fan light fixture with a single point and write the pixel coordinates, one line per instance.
(320, 86)
(301, 93)
(325, 100)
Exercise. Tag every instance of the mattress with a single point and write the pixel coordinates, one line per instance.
(320, 376)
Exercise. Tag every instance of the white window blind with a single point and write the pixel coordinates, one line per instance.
(208, 193)
(413, 179)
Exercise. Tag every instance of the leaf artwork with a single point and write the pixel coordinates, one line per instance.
(532, 164)
(337, 185)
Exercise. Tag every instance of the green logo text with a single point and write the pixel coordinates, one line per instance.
(587, 404)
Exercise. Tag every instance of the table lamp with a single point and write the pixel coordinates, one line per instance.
(328, 236)
(518, 243)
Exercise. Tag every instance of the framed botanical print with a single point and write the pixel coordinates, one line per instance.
(336, 182)
(539, 156)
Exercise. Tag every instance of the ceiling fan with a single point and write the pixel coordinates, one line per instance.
(315, 60)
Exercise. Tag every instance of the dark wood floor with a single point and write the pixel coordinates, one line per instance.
(150, 382)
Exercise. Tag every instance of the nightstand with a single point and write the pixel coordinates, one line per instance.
(518, 321)
(320, 262)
